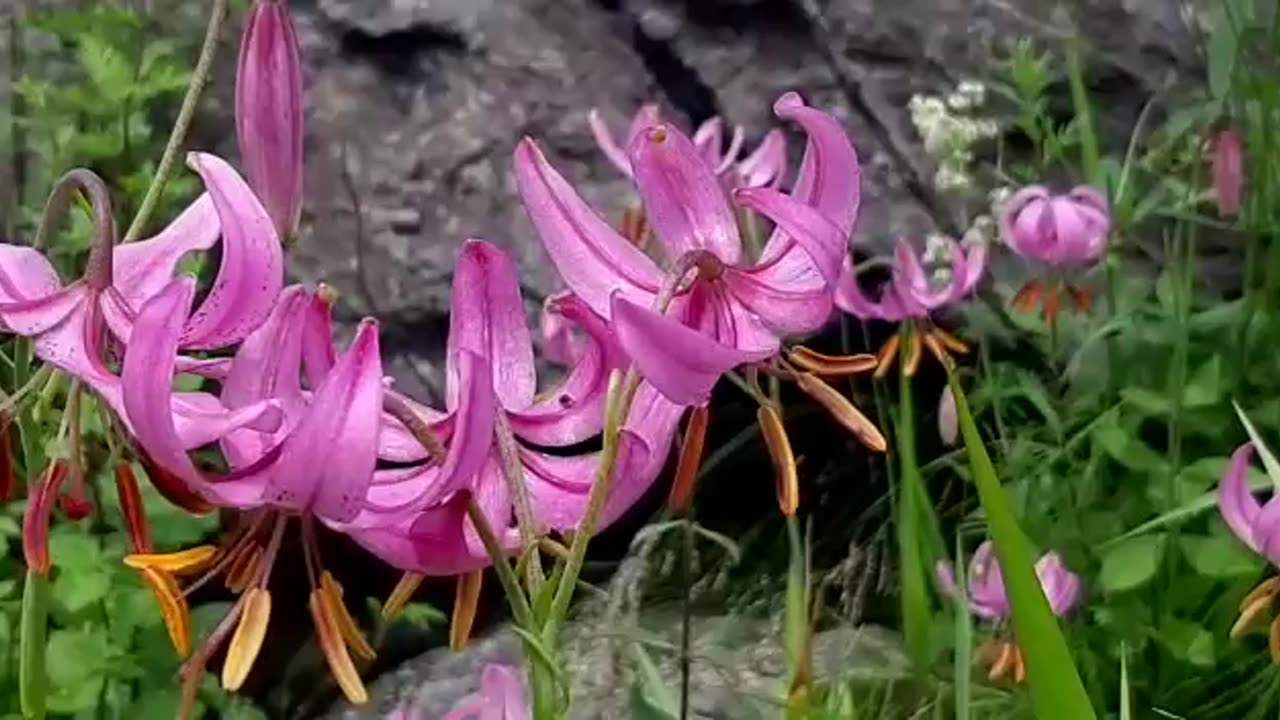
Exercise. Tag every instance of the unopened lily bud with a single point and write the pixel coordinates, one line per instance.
(269, 112)
(35, 520)
(948, 427)
(1228, 170)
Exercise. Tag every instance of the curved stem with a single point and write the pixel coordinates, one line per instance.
(65, 191)
(178, 136)
(513, 471)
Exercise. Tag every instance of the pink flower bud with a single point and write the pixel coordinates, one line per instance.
(1228, 170)
(1057, 229)
(269, 112)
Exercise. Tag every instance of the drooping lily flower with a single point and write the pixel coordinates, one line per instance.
(69, 323)
(418, 523)
(707, 309)
(985, 593)
(1227, 166)
(501, 697)
(318, 466)
(911, 296)
(1060, 230)
(269, 112)
(1254, 523)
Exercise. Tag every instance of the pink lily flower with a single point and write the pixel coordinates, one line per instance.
(1254, 523)
(1060, 230)
(501, 697)
(986, 593)
(1056, 229)
(988, 600)
(765, 166)
(269, 112)
(733, 311)
(418, 523)
(68, 322)
(1227, 170)
(910, 297)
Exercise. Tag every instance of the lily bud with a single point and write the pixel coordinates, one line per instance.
(1228, 170)
(269, 112)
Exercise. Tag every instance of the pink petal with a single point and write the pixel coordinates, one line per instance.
(850, 298)
(560, 485)
(433, 542)
(1061, 586)
(607, 144)
(591, 257)
(987, 597)
(683, 201)
(25, 275)
(557, 340)
(143, 268)
(326, 463)
(487, 317)
(574, 410)
(816, 236)
(708, 139)
(829, 179)
(681, 362)
(1019, 221)
(1239, 508)
(766, 166)
(251, 274)
(945, 575)
(785, 310)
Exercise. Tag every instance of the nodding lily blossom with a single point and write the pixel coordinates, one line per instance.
(269, 113)
(69, 322)
(910, 297)
(683, 332)
(1227, 162)
(987, 599)
(319, 466)
(416, 522)
(1060, 230)
(501, 697)
(1254, 523)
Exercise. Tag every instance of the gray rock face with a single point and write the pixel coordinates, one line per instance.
(414, 107)
(737, 669)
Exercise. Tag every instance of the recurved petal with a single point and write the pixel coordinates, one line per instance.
(682, 198)
(591, 257)
(829, 179)
(560, 485)
(607, 143)
(786, 310)
(766, 166)
(143, 268)
(487, 317)
(987, 596)
(1019, 221)
(25, 275)
(1239, 508)
(433, 542)
(574, 410)
(251, 274)
(682, 363)
(327, 461)
(850, 298)
(815, 235)
(945, 575)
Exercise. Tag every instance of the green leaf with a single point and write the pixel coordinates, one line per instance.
(1132, 563)
(9, 527)
(423, 615)
(1222, 49)
(1123, 446)
(77, 655)
(1188, 641)
(72, 550)
(1192, 507)
(76, 590)
(1056, 690)
(1268, 460)
(1219, 556)
(1206, 386)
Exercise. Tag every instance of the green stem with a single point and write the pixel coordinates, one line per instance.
(501, 566)
(1089, 157)
(178, 136)
(530, 528)
(917, 616)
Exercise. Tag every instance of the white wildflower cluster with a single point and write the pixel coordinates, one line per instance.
(950, 128)
(937, 259)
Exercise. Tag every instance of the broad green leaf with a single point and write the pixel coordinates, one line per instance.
(1126, 448)
(76, 590)
(1187, 641)
(9, 527)
(1056, 690)
(1147, 402)
(1132, 563)
(423, 615)
(1194, 506)
(72, 550)
(1206, 386)
(917, 612)
(650, 690)
(1219, 556)
(77, 655)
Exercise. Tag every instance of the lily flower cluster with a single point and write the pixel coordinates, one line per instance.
(310, 433)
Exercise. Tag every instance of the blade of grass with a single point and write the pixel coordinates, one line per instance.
(917, 615)
(1056, 690)
(1126, 712)
(964, 638)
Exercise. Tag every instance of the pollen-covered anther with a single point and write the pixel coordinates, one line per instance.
(329, 635)
(466, 600)
(843, 411)
(191, 561)
(831, 365)
(695, 437)
(886, 355)
(246, 643)
(331, 593)
(1258, 602)
(786, 478)
(173, 607)
(401, 594)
